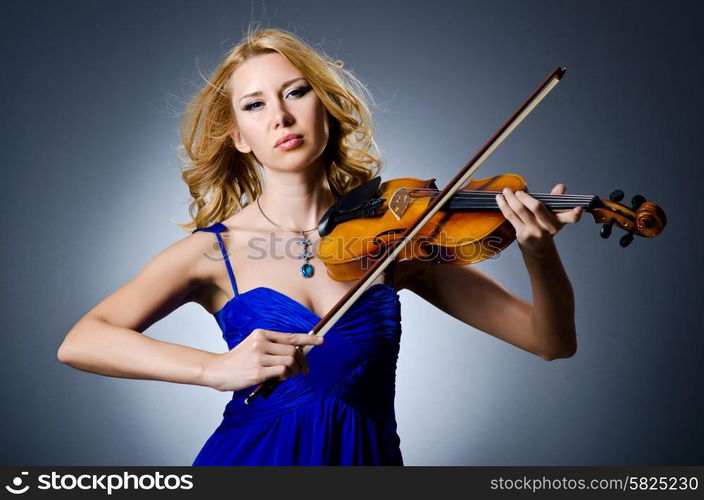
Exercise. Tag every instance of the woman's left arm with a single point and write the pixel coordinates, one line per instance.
(546, 327)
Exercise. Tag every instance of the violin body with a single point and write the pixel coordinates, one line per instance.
(457, 237)
(470, 228)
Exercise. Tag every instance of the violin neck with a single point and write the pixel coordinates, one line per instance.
(486, 200)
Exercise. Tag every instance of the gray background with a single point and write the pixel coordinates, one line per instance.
(90, 96)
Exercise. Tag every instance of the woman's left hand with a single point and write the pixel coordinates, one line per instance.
(535, 225)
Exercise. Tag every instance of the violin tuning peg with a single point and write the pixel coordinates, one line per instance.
(637, 201)
(616, 195)
(606, 229)
(626, 240)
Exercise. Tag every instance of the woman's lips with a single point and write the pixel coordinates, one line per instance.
(290, 144)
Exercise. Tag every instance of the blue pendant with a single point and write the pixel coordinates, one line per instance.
(306, 270)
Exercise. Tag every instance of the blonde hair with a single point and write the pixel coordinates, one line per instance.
(221, 179)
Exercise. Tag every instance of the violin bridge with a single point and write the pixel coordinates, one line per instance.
(399, 202)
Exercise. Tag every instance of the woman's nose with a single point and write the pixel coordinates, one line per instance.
(282, 117)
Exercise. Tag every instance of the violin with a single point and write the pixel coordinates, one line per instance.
(373, 224)
(469, 228)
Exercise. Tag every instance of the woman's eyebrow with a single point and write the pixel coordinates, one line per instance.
(259, 92)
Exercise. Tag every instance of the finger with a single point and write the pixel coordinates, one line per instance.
(565, 216)
(277, 353)
(518, 207)
(276, 349)
(542, 216)
(275, 360)
(279, 371)
(508, 213)
(559, 189)
(294, 338)
(289, 362)
(570, 216)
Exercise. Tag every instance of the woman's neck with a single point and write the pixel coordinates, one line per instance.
(294, 201)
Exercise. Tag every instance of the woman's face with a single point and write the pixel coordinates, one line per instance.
(284, 103)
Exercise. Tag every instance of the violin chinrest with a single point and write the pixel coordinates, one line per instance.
(349, 206)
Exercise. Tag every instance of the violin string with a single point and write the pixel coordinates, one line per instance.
(492, 194)
(540, 196)
(547, 199)
(492, 199)
(565, 198)
(488, 191)
(551, 200)
(494, 205)
(493, 202)
(480, 193)
(479, 199)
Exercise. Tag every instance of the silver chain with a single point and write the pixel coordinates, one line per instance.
(285, 229)
(306, 268)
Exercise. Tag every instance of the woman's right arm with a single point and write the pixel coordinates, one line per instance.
(108, 340)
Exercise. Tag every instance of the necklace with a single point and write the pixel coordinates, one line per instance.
(306, 269)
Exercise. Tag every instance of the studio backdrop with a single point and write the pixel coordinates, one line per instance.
(91, 98)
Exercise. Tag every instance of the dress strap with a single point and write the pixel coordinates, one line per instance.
(217, 228)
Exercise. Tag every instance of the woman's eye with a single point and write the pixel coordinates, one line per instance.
(301, 91)
(249, 106)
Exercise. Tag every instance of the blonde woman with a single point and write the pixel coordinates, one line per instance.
(279, 133)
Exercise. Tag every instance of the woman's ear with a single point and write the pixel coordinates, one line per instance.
(239, 142)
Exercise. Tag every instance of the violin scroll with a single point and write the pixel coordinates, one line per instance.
(643, 218)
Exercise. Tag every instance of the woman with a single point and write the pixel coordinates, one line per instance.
(280, 115)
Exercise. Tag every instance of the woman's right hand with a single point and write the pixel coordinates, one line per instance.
(264, 354)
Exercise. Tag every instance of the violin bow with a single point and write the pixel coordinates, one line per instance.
(388, 254)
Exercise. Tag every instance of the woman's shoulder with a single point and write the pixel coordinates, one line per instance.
(235, 232)
(240, 228)
(234, 223)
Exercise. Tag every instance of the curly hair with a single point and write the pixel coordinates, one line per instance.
(222, 180)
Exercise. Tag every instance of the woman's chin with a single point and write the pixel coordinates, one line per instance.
(301, 165)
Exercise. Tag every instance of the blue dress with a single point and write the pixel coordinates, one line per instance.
(342, 412)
